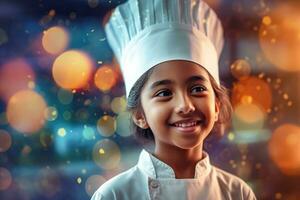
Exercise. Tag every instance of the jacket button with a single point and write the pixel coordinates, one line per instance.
(154, 184)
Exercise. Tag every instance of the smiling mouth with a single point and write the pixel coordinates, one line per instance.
(186, 124)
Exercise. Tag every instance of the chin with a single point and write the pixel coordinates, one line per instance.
(189, 145)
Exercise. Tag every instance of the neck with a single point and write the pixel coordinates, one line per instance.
(182, 161)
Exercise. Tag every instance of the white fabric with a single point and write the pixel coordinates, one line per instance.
(145, 33)
(155, 180)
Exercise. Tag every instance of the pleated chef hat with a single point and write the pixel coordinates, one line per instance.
(145, 33)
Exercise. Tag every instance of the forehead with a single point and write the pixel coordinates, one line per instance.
(177, 70)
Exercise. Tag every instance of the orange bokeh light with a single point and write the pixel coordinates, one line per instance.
(15, 75)
(249, 113)
(5, 141)
(252, 90)
(72, 69)
(240, 69)
(25, 111)
(105, 78)
(55, 40)
(5, 178)
(279, 36)
(284, 148)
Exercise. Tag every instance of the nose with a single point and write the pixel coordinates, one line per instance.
(184, 104)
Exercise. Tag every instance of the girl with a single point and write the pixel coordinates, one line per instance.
(168, 51)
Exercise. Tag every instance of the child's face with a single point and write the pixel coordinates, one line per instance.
(179, 105)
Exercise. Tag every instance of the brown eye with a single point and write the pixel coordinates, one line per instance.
(163, 93)
(198, 89)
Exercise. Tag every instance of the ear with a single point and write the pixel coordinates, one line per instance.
(217, 110)
(140, 120)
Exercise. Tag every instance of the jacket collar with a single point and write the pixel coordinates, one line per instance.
(157, 169)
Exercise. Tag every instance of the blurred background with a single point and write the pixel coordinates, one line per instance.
(64, 129)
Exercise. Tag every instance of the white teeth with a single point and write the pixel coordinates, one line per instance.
(189, 124)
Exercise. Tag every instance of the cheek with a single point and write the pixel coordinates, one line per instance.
(157, 115)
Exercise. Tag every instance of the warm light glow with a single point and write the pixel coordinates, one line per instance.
(118, 105)
(252, 90)
(279, 36)
(25, 111)
(55, 40)
(240, 69)
(79, 180)
(5, 141)
(5, 178)
(284, 149)
(111, 156)
(93, 183)
(62, 132)
(106, 125)
(249, 113)
(72, 70)
(15, 75)
(105, 78)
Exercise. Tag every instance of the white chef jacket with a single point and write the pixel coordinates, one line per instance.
(155, 180)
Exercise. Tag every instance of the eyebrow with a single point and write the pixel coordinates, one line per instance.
(168, 82)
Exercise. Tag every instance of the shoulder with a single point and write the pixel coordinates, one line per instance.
(116, 186)
(235, 185)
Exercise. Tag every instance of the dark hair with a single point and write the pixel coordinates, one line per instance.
(145, 135)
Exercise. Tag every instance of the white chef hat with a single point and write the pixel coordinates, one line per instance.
(145, 33)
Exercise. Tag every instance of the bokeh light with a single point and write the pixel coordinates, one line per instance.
(15, 75)
(79, 180)
(118, 104)
(88, 133)
(72, 69)
(93, 3)
(5, 141)
(106, 125)
(248, 136)
(284, 149)
(105, 78)
(65, 96)
(240, 69)
(105, 102)
(25, 111)
(82, 115)
(3, 37)
(279, 36)
(51, 113)
(67, 115)
(46, 138)
(123, 124)
(248, 116)
(5, 179)
(252, 90)
(49, 182)
(26, 150)
(106, 154)
(93, 183)
(55, 40)
(61, 132)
